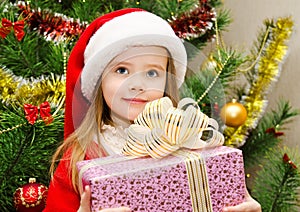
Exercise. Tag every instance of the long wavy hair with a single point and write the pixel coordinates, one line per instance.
(81, 143)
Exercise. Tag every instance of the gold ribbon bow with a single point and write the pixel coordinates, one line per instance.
(162, 129)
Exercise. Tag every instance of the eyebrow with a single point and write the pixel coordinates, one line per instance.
(157, 66)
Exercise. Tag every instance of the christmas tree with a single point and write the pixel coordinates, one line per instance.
(37, 37)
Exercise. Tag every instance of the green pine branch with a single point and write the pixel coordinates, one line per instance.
(31, 57)
(267, 133)
(277, 183)
(25, 151)
(90, 10)
(168, 8)
(218, 78)
(228, 61)
(280, 117)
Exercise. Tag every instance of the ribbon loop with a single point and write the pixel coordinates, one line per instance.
(162, 129)
(31, 113)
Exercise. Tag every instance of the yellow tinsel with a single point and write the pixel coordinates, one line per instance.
(20, 91)
(268, 71)
(7, 85)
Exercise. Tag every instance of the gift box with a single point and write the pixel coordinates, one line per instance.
(198, 180)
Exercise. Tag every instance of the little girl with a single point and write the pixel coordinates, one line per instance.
(123, 60)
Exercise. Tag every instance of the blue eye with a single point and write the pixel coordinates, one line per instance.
(152, 73)
(122, 71)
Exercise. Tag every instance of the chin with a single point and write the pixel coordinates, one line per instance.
(134, 113)
(131, 117)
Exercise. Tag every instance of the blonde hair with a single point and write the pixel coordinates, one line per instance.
(81, 142)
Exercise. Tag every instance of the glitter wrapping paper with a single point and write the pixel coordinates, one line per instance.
(146, 184)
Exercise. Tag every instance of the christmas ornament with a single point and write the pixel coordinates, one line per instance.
(233, 114)
(286, 159)
(55, 27)
(16, 89)
(17, 27)
(195, 23)
(274, 132)
(30, 197)
(32, 113)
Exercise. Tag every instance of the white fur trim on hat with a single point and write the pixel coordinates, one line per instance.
(117, 35)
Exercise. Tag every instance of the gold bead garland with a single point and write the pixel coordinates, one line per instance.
(12, 128)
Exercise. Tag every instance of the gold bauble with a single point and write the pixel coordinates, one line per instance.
(233, 114)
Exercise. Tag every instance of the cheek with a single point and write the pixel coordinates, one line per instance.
(156, 86)
(110, 90)
(155, 94)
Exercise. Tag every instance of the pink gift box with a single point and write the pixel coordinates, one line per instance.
(146, 184)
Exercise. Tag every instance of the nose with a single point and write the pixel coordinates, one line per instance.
(137, 87)
(136, 82)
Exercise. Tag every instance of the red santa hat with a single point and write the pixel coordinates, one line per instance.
(104, 39)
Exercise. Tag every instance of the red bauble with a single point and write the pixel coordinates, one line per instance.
(30, 197)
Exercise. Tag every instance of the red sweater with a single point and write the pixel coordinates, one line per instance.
(61, 195)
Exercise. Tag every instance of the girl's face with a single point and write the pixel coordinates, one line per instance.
(134, 78)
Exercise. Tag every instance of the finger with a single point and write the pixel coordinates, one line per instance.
(249, 206)
(121, 209)
(85, 199)
(239, 208)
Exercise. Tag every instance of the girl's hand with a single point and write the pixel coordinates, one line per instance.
(85, 200)
(250, 205)
(86, 207)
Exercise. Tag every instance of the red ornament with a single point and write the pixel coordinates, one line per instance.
(32, 113)
(54, 26)
(274, 132)
(195, 23)
(30, 197)
(287, 160)
(8, 26)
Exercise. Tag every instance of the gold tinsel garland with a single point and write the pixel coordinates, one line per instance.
(268, 71)
(19, 91)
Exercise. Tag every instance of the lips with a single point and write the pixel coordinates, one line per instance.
(135, 100)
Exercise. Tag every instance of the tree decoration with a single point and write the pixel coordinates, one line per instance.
(286, 159)
(266, 72)
(54, 27)
(31, 197)
(8, 85)
(20, 91)
(32, 112)
(274, 132)
(233, 114)
(17, 27)
(195, 23)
